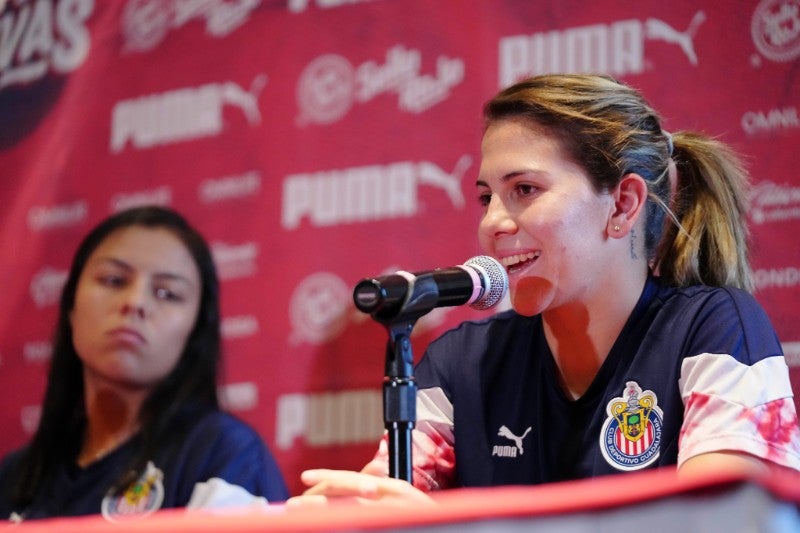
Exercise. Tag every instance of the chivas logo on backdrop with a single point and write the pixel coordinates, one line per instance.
(42, 42)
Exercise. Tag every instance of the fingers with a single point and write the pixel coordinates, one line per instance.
(326, 486)
(339, 483)
(376, 468)
(315, 501)
(329, 486)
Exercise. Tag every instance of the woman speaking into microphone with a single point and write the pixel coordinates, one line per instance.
(633, 341)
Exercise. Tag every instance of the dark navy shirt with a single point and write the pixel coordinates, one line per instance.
(694, 370)
(217, 446)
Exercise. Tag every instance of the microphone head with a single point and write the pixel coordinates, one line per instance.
(495, 280)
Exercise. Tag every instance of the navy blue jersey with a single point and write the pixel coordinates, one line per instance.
(217, 446)
(694, 370)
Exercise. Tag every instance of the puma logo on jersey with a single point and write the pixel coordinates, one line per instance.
(509, 451)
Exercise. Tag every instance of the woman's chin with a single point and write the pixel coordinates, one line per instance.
(529, 296)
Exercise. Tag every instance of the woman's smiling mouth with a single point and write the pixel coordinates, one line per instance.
(513, 263)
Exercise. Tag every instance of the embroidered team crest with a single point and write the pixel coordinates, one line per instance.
(141, 498)
(631, 435)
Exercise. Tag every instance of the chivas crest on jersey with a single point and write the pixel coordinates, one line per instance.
(141, 498)
(631, 435)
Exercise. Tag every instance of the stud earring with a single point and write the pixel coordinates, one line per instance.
(616, 228)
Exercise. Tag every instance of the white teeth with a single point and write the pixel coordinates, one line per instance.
(512, 260)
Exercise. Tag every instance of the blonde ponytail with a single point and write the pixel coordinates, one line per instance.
(709, 243)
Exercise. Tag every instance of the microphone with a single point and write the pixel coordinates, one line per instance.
(480, 282)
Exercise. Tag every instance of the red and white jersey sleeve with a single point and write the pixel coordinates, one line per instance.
(433, 447)
(732, 406)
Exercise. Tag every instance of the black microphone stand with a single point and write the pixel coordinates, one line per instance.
(399, 386)
(399, 398)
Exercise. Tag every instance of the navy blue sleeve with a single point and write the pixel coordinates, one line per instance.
(731, 321)
(224, 447)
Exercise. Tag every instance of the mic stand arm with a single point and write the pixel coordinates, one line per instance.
(399, 399)
(399, 386)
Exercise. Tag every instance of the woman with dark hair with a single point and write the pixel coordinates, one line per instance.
(633, 342)
(130, 419)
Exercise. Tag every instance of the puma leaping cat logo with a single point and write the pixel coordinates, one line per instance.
(658, 29)
(505, 432)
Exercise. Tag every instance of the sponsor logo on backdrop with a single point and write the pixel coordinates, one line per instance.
(239, 396)
(791, 351)
(181, 114)
(43, 36)
(238, 327)
(330, 84)
(230, 187)
(235, 261)
(779, 119)
(45, 287)
(29, 417)
(37, 351)
(158, 196)
(773, 202)
(298, 6)
(615, 48)
(319, 308)
(775, 28)
(365, 194)
(782, 278)
(329, 419)
(58, 216)
(145, 23)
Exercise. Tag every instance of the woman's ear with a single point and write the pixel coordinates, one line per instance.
(630, 196)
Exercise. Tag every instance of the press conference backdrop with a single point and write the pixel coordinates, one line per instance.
(317, 142)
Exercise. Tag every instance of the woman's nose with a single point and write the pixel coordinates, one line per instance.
(497, 220)
(135, 300)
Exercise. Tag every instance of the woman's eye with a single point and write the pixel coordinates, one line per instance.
(484, 198)
(166, 294)
(525, 189)
(111, 280)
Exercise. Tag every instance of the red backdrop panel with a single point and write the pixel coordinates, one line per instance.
(318, 142)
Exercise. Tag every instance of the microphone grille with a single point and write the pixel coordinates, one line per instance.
(495, 279)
